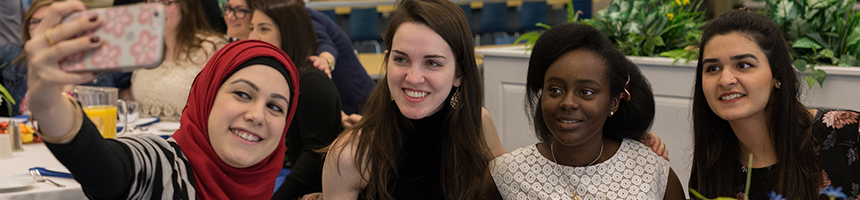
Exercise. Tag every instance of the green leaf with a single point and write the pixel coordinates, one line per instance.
(819, 76)
(542, 25)
(6, 94)
(570, 11)
(531, 37)
(810, 81)
(800, 64)
(806, 43)
(854, 37)
(659, 41)
(696, 193)
(827, 53)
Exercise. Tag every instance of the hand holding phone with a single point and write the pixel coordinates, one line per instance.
(133, 38)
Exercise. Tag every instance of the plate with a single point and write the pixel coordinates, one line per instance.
(16, 183)
(19, 119)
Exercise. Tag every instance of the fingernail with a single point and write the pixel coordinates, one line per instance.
(95, 39)
(88, 7)
(94, 18)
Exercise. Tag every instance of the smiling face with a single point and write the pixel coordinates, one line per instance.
(576, 99)
(421, 70)
(264, 28)
(249, 116)
(736, 77)
(238, 27)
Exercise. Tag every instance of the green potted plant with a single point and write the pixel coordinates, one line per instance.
(650, 28)
(821, 32)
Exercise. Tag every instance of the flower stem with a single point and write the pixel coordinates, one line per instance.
(749, 177)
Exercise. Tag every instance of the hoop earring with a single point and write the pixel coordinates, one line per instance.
(455, 99)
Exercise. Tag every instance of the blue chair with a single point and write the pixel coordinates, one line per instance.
(494, 17)
(331, 14)
(532, 12)
(364, 27)
(282, 176)
(467, 9)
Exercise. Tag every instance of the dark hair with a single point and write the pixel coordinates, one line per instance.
(631, 120)
(298, 39)
(465, 168)
(716, 154)
(190, 29)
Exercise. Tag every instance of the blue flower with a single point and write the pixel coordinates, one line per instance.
(833, 192)
(774, 196)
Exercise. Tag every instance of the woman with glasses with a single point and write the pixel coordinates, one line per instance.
(162, 91)
(237, 14)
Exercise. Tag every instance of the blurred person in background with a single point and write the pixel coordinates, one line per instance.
(162, 91)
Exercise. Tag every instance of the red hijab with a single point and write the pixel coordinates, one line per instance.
(213, 178)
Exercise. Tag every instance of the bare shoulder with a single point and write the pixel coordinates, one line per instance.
(491, 136)
(341, 177)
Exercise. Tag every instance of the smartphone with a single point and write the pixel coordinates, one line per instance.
(133, 38)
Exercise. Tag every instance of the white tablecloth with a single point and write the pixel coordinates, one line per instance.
(38, 155)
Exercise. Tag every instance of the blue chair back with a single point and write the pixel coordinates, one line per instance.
(331, 14)
(364, 25)
(467, 8)
(532, 12)
(494, 17)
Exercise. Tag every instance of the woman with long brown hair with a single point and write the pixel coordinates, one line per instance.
(163, 91)
(746, 101)
(421, 134)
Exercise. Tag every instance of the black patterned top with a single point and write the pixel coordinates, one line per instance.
(838, 131)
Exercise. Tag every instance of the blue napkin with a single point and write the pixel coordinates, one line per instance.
(45, 172)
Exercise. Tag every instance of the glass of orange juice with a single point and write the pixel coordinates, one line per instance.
(100, 105)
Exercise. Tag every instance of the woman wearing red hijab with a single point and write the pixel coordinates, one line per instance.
(230, 144)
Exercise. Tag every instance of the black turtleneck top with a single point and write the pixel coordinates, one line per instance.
(420, 161)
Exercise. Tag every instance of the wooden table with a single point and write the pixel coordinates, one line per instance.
(372, 63)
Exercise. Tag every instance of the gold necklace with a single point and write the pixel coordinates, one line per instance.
(552, 151)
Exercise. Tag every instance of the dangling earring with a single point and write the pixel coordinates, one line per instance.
(455, 99)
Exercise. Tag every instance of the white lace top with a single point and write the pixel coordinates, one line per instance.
(163, 91)
(634, 172)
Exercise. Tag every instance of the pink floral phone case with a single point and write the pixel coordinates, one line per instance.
(133, 38)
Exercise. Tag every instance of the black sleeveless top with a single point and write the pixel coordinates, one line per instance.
(420, 161)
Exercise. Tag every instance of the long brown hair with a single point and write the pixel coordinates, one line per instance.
(298, 39)
(716, 154)
(465, 169)
(26, 25)
(193, 23)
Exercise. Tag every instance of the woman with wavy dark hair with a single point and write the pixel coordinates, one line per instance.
(421, 134)
(287, 25)
(746, 101)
